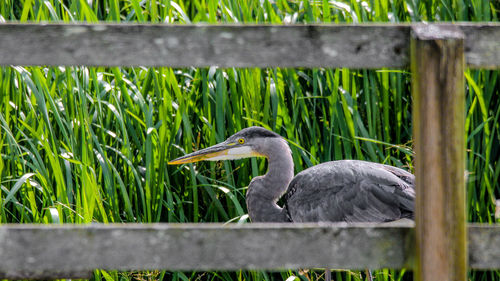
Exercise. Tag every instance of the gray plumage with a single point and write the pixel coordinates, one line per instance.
(351, 191)
(336, 191)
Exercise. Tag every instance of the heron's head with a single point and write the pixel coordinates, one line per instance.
(249, 142)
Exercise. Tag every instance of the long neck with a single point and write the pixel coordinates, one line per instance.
(263, 192)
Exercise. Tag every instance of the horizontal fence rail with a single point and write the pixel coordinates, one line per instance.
(352, 46)
(72, 251)
(57, 251)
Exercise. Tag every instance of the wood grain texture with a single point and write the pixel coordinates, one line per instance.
(64, 251)
(41, 251)
(204, 45)
(352, 46)
(482, 45)
(484, 246)
(438, 130)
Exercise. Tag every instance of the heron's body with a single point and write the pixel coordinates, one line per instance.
(336, 191)
(350, 191)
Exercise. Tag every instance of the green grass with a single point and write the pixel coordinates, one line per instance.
(91, 144)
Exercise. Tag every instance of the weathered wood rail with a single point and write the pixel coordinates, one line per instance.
(351, 46)
(435, 249)
(47, 251)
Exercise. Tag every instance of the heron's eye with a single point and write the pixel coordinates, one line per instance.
(241, 141)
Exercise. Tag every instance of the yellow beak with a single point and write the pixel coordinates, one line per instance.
(221, 151)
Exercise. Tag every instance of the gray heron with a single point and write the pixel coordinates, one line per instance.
(336, 191)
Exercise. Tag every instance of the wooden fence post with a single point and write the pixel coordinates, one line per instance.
(437, 61)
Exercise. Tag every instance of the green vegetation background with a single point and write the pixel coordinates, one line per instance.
(90, 144)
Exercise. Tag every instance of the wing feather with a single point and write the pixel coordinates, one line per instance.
(351, 191)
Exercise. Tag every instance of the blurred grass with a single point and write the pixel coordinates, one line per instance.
(92, 143)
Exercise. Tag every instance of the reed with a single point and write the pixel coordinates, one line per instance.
(90, 144)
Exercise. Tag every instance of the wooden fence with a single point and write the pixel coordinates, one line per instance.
(440, 246)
